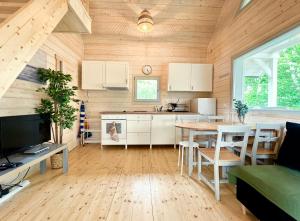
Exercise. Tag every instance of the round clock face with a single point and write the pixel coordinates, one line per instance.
(147, 69)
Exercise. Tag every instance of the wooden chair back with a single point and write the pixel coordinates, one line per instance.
(193, 118)
(229, 131)
(270, 134)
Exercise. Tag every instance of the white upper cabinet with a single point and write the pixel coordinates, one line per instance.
(190, 77)
(93, 75)
(201, 78)
(99, 75)
(179, 77)
(116, 74)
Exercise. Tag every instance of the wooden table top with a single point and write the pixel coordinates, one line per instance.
(205, 126)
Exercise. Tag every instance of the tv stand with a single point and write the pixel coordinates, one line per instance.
(26, 161)
(9, 164)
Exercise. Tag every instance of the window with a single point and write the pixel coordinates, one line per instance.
(146, 89)
(268, 77)
(244, 3)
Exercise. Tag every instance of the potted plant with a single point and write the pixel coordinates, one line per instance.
(241, 110)
(59, 96)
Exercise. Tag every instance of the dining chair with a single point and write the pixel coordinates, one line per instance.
(209, 140)
(212, 139)
(217, 118)
(185, 136)
(223, 154)
(268, 137)
(184, 146)
(184, 143)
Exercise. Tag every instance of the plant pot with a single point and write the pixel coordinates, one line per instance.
(56, 161)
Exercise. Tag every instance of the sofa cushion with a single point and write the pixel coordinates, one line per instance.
(280, 185)
(289, 152)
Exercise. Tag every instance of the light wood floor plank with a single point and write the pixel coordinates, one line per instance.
(114, 184)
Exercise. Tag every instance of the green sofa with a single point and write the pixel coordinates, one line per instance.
(271, 192)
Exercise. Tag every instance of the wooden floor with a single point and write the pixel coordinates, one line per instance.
(115, 184)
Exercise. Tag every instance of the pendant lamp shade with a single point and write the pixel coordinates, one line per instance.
(145, 21)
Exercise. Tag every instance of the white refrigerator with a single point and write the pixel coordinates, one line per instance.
(204, 106)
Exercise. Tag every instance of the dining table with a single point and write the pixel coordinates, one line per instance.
(203, 129)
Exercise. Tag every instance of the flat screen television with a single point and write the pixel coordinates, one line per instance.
(18, 133)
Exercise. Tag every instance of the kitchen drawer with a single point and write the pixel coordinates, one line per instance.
(138, 126)
(139, 117)
(138, 138)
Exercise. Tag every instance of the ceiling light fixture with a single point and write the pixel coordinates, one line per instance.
(145, 21)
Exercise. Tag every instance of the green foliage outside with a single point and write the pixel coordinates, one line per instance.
(146, 90)
(256, 91)
(289, 78)
(288, 94)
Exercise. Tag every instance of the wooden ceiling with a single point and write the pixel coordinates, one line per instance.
(178, 20)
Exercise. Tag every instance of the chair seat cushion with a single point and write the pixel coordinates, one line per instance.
(278, 184)
(290, 149)
(186, 144)
(225, 155)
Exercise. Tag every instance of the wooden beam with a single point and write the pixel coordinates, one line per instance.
(24, 34)
(77, 20)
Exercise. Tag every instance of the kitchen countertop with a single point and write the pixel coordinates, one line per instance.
(148, 112)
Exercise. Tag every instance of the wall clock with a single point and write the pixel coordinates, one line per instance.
(147, 69)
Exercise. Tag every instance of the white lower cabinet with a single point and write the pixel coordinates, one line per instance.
(138, 126)
(139, 129)
(163, 129)
(156, 129)
(138, 138)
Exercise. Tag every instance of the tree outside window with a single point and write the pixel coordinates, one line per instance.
(256, 89)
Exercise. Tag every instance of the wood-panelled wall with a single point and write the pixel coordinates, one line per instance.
(182, 31)
(138, 53)
(21, 98)
(237, 33)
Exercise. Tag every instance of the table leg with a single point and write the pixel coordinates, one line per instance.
(191, 160)
(43, 166)
(65, 160)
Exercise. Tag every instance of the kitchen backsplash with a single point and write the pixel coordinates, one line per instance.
(98, 101)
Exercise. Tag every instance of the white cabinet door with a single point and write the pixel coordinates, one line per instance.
(179, 77)
(92, 75)
(138, 138)
(201, 77)
(163, 129)
(136, 126)
(116, 74)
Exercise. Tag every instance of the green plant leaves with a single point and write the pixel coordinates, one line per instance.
(240, 108)
(59, 97)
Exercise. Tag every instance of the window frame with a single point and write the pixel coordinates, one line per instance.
(136, 78)
(237, 92)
